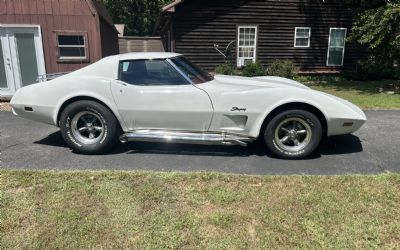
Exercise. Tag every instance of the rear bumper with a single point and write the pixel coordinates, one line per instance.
(38, 113)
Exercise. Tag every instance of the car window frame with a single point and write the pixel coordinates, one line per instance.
(184, 74)
(168, 62)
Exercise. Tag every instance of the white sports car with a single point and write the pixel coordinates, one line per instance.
(164, 97)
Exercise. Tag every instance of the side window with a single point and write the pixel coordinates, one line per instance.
(149, 73)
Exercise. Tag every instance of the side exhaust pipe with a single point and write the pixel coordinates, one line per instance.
(185, 137)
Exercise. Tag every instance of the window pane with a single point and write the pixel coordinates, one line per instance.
(27, 60)
(192, 71)
(303, 32)
(72, 52)
(150, 73)
(299, 32)
(335, 56)
(251, 52)
(70, 40)
(302, 42)
(3, 78)
(337, 37)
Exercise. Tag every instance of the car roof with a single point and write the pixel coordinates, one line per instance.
(147, 55)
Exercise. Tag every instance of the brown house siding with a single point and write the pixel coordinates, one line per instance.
(140, 44)
(198, 25)
(64, 16)
(109, 39)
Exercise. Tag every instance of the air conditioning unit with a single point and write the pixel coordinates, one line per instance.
(241, 62)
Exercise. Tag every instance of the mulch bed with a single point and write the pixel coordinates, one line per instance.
(5, 106)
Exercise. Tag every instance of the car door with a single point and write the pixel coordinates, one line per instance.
(152, 94)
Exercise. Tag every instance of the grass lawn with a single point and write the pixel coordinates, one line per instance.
(363, 94)
(75, 210)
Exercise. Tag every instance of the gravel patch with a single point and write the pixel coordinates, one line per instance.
(5, 106)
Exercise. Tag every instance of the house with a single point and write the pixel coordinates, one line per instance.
(128, 44)
(311, 33)
(39, 37)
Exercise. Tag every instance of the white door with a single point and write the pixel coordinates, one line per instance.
(150, 94)
(21, 58)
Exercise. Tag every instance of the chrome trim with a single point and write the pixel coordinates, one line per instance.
(186, 137)
(49, 77)
(179, 71)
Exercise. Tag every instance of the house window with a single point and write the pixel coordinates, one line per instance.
(247, 45)
(337, 40)
(302, 37)
(72, 46)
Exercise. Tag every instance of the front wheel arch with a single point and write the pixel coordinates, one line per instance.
(296, 105)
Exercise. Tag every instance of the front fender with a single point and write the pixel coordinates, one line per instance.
(335, 110)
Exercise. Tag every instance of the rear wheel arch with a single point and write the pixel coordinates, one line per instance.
(83, 98)
(296, 105)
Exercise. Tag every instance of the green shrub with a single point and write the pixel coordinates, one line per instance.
(282, 68)
(226, 69)
(372, 69)
(253, 69)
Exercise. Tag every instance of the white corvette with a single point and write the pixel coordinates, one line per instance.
(164, 97)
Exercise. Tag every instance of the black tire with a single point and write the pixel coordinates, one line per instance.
(284, 142)
(102, 117)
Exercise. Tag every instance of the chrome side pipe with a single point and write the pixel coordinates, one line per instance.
(186, 137)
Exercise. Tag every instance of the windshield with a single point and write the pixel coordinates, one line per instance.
(192, 71)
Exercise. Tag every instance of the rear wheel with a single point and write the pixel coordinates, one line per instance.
(88, 127)
(293, 134)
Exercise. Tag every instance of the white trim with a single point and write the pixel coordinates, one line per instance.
(246, 46)
(295, 37)
(329, 46)
(5, 47)
(19, 26)
(8, 32)
(72, 58)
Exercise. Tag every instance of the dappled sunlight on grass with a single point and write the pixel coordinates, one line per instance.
(364, 94)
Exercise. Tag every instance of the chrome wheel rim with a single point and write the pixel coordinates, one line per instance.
(293, 134)
(87, 127)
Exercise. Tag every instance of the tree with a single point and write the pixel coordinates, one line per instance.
(377, 25)
(139, 16)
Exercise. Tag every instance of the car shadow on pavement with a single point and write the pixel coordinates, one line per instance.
(337, 145)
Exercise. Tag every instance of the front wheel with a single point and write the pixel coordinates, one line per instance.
(293, 134)
(88, 127)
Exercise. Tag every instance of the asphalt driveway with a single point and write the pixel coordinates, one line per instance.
(374, 149)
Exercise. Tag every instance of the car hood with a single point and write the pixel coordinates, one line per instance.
(257, 82)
